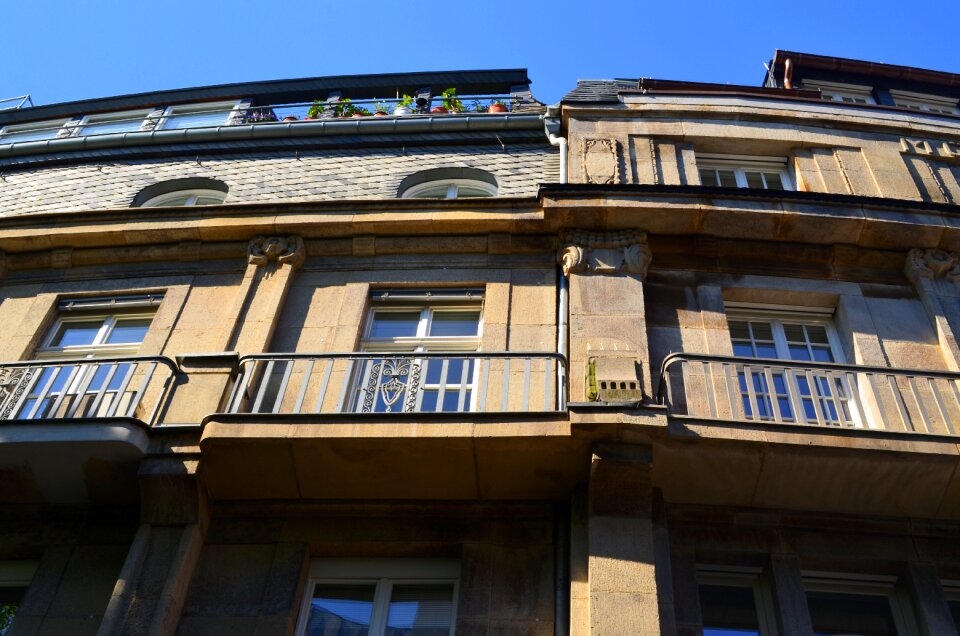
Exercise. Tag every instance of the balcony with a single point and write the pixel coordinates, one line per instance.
(806, 435)
(71, 428)
(394, 425)
(811, 394)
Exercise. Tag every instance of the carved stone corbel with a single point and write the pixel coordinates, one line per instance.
(932, 264)
(282, 249)
(623, 252)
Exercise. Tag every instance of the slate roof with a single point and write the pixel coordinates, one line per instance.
(603, 90)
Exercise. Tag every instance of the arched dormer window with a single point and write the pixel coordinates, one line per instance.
(448, 183)
(182, 192)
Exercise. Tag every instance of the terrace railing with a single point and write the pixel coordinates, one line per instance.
(807, 393)
(301, 384)
(122, 387)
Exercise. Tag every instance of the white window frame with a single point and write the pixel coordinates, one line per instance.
(193, 195)
(776, 315)
(453, 187)
(867, 585)
(741, 164)
(228, 107)
(56, 125)
(99, 348)
(748, 577)
(384, 573)
(838, 92)
(935, 104)
(101, 118)
(429, 344)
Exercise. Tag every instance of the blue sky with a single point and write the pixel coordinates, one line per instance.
(65, 50)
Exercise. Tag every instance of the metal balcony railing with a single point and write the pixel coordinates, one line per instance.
(122, 387)
(285, 384)
(809, 393)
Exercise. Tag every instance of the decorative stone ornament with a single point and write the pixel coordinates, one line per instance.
(282, 249)
(600, 160)
(624, 252)
(932, 264)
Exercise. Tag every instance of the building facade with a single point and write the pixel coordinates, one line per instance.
(664, 358)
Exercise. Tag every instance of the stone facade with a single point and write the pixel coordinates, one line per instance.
(605, 398)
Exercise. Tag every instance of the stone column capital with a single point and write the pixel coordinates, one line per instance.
(932, 264)
(289, 250)
(619, 252)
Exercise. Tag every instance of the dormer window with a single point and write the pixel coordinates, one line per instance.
(740, 171)
(448, 183)
(34, 131)
(846, 93)
(182, 192)
(926, 103)
(186, 198)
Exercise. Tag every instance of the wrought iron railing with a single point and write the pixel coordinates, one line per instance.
(809, 393)
(128, 387)
(285, 384)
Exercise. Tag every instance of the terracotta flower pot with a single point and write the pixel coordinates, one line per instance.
(497, 108)
(380, 113)
(290, 118)
(440, 110)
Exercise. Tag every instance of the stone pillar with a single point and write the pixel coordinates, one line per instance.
(936, 275)
(152, 588)
(620, 535)
(929, 601)
(271, 262)
(793, 615)
(609, 358)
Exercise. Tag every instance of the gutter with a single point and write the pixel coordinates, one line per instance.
(363, 126)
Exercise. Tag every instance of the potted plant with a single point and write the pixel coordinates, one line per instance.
(291, 118)
(315, 110)
(479, 107)
(261, 116)
(380, 108)
(498, 106)
(403, 106)
(450, 103)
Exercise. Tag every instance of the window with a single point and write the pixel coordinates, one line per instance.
(803, 395)
(450, 189)
(196, 115)
(88, 328)
(951, 590)
(860, 605)
(448, 183)
(383, 597)
(926, 103)
(15, 576)
(186, 198)
(34, 131)
(846, 93)
(129, 121)
(413, 321)
(735, 171)
(735, 602)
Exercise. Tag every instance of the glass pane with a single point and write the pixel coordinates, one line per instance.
(395, 324)
(437, 192)
(197, 120)
(817, 334)
(743, 349)
(727, 178)
(835, 613)
(762, 330)
(794, 333)
(454, 370)
(131, 124)
(451, 400)
(420, 610)
(208, 201)
(754, 180)
(822, 354)
(344, 610)
(954, 605)
(728, 610)
(467, 191)
(428, 403)
(774, 180)
(34, 134)
(739, 329)
(77, 333)
(179, 199)
(766, 350)
(799, 352)
(708, 177)
(131, 331)
(455, 323)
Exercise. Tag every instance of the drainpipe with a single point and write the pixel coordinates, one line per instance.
(552, 125)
